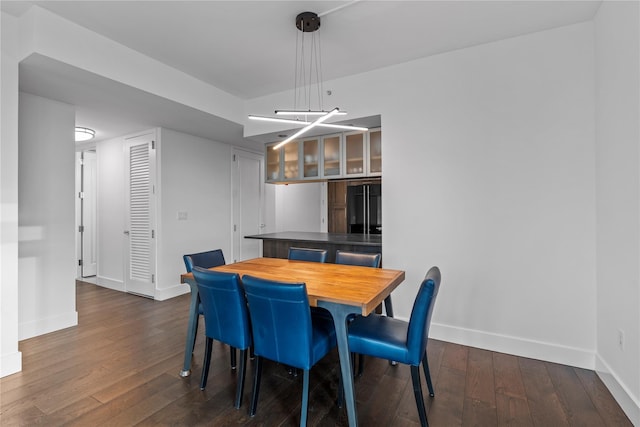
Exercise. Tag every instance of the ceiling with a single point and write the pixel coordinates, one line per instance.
(247, 48)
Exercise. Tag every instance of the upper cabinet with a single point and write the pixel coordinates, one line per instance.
(310, 158)
(374, 152)
(354, 154)
(332, 156)
(343, 155)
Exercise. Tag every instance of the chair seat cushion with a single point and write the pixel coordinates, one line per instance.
(380, 336)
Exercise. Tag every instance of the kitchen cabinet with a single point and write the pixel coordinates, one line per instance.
(296, 161)
(310, 158)
(374, 153)
(354, 153)
(273, 163)
(332, 156)
(337, 206)
(335, 156)
(291, 157)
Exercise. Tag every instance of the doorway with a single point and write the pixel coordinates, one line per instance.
(247, 182)
(86, 207)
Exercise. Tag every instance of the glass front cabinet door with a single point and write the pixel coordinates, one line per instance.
(310, 158)
(331, 154)
(291, 161)
(273, 164)
(354, 154)
(374, 157)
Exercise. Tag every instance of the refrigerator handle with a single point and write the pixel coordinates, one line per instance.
(368, 222)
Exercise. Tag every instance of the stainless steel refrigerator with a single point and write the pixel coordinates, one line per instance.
(364, 209)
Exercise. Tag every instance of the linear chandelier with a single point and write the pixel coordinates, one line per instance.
(307, 67)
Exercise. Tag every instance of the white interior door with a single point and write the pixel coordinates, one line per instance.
(88, 242)
(247, 189)
(139, 235)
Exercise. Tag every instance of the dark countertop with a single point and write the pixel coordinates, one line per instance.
(303, 236)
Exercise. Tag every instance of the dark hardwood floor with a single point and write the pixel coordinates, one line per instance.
(120, 365)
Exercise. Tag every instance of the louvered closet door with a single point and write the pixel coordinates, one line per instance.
(140, 234)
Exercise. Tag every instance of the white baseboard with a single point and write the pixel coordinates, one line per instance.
(10, 364)
(517, 346)
(171, 292)
(105, 282)
(160, 294)
(44, 326)
(629, 404)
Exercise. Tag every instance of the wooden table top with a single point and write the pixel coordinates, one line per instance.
(363, 287)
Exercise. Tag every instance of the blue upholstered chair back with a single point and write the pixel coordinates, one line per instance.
(204, 259)
(357, 258)
(225, 308)
(281, 319)
(305, 254)
(418, 330)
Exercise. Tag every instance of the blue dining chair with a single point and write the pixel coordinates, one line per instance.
(306, 254)
(226, 319)
(405, 342)
(284, 331)
(312, 255)
(364, 260)
(206, 259)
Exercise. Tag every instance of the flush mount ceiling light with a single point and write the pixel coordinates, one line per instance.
(309, 67)
(84, 134)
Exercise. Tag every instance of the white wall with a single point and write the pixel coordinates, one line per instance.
(500, 164)
(46, 212)
(299, 207)
(10, 357)
(489, 173)
(618, 211)
(110, 218)
(194, 177)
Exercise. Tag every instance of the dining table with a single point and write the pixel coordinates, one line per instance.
(343, 290)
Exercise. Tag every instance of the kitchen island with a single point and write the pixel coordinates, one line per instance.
(276, 245)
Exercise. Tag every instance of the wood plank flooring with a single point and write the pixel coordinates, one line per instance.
(119, 367)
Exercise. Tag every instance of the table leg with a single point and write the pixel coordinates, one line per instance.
(340, 313)
(191, 331)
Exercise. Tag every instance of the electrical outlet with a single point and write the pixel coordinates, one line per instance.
(621, 339)
(182, 216)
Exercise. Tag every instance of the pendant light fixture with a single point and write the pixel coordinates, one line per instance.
(308, 75)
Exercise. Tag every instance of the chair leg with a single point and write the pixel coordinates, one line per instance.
(388, 306)
(206, 363)
(417, 391)
(257, 373)
(360, 364)
(240, 379)
(427, 373)
(340, 399)
(191, 335)
(195, 334)
(232, 353)
(305, 398)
